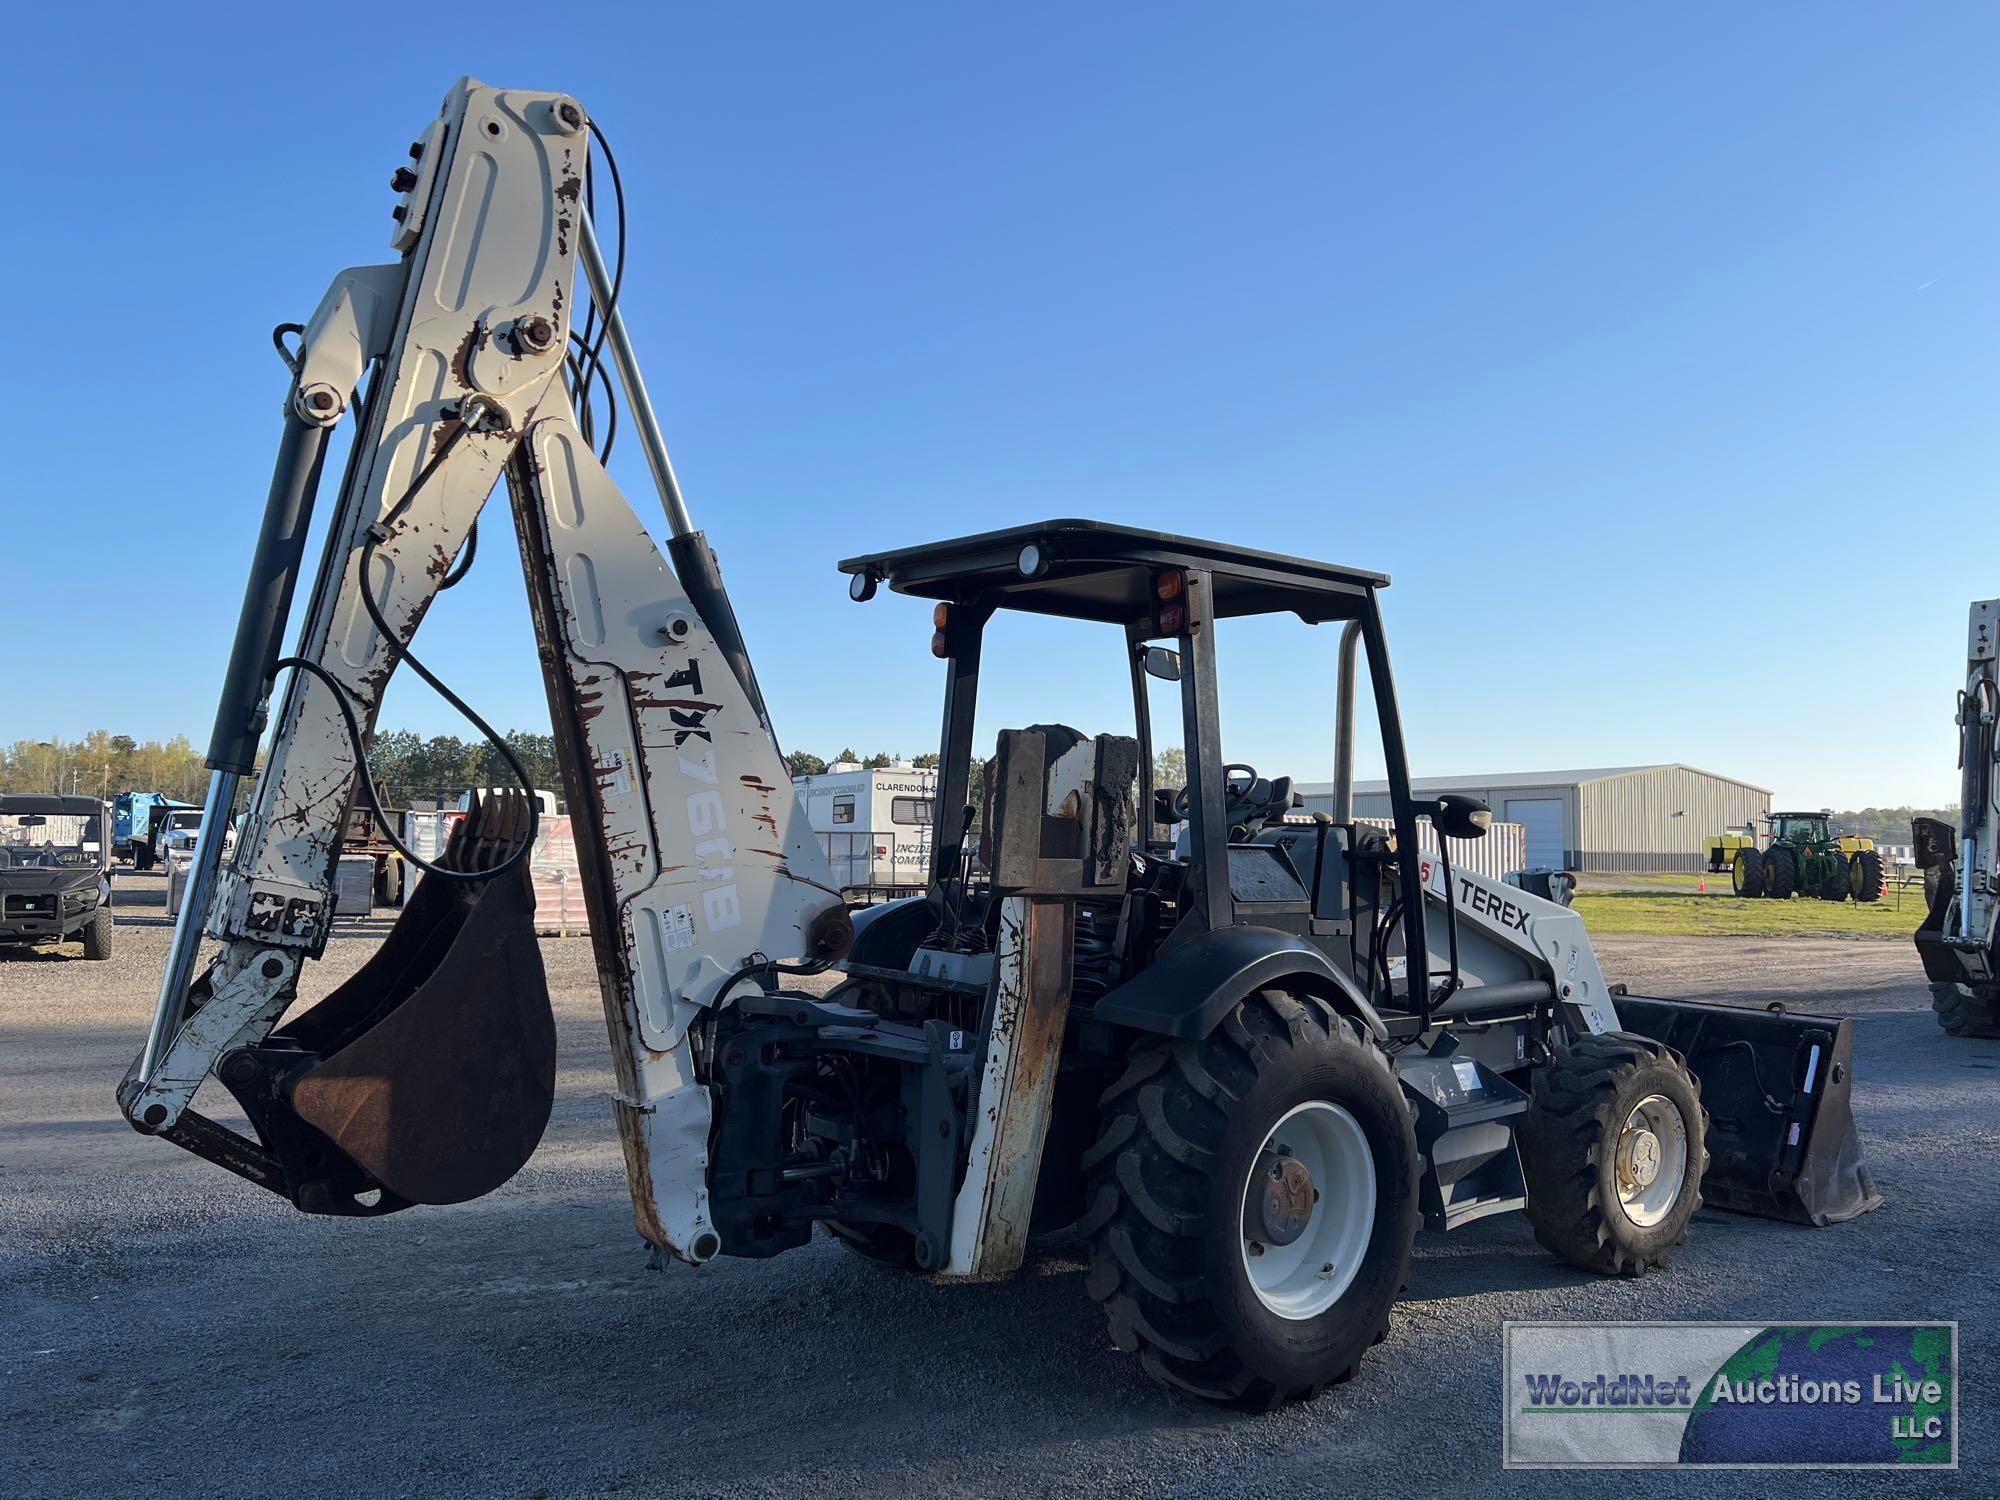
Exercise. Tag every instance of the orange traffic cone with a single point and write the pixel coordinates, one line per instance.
(1701, 883)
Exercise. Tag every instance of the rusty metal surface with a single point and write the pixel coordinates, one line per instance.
(693, 851)
(695, 857)
(495, 257)
(1030, 1009)
(442, 1068)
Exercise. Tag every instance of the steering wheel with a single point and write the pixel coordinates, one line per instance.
(1233, 791)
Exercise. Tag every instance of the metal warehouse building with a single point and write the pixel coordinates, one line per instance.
(1614, 818)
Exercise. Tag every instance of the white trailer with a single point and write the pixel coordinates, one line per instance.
(875, 826)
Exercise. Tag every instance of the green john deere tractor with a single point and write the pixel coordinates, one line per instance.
(1805, 858)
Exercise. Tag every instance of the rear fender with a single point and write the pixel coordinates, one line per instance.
(1191, 986)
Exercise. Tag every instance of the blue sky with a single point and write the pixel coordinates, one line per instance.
(1652, 352)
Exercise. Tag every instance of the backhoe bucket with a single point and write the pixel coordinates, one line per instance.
(1781, 1141)
(431, 1072)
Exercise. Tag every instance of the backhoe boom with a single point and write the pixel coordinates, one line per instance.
(698, 869)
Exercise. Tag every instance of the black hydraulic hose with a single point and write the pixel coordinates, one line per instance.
(586, 417)
(595, 361)
(1384, 930)
(1451, 981)
(377, 534)
(464, 564)
(772, 966)
(585, 375)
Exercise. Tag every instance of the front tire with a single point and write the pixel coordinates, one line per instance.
(1227, 1200)
(1613, 1151)
(97, 936)
(1746, 873)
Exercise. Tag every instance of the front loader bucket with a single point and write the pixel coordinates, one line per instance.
(430, 1072)
(1776, 1084)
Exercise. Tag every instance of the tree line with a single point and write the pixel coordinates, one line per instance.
(407, 767)
(1889, 825)
(410, 767)
(103, 764)
(805, 763)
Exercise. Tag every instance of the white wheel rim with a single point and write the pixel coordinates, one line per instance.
(1305, 1277)
(1651, 1160)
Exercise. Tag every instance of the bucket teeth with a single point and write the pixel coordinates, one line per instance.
(494, 826)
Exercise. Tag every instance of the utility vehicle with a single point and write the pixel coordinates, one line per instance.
(55, 871)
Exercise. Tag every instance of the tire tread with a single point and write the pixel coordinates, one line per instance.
(1565, 1133)
(1149, 1171)
(1964, 1011)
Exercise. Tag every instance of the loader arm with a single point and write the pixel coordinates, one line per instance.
(426, 1077)
(1508, 936)
(1776, 1085)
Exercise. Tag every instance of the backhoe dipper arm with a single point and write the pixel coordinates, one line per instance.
(698, 867)
(1975, 922)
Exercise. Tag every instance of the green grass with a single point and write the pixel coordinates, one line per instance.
(1671, 906)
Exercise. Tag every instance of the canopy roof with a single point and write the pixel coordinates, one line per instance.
(15, 804)
(1092, 570)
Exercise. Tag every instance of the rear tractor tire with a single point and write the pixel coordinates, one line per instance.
(1781, 872)
(1252, 1202)
(1865, 876)
(1613, 1152)
(1836, 879)
(1965, 1011)
(1746, 873)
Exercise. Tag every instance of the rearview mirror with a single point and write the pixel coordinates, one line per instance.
(1163, 664)
(1459, 817)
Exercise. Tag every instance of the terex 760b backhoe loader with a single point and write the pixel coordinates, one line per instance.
(1249, 1061)
(1959, 938)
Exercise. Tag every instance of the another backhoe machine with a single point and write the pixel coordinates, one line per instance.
(1248, 1064)
(1959, 938)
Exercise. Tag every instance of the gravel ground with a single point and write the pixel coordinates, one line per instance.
(167, 1329)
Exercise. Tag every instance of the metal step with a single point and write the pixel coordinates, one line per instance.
(1466, 1116)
